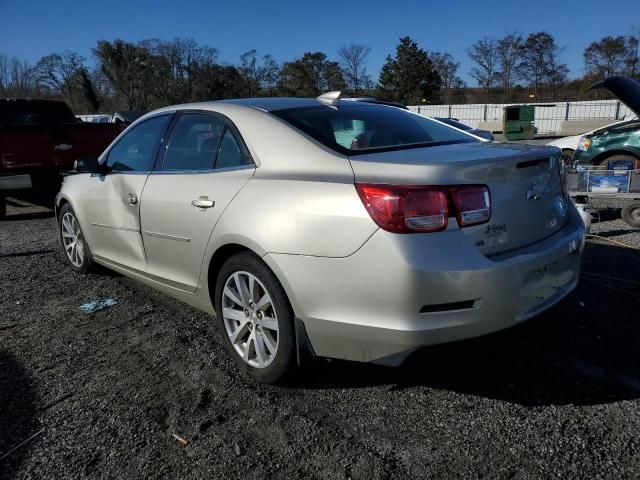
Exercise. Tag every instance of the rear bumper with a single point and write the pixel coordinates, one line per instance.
(15, 182)
(366, 307)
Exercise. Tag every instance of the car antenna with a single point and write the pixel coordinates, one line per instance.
(330, 98)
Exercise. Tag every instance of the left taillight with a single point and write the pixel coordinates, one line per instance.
(417, 208)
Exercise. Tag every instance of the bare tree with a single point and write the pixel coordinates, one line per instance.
(605, 57)
(353, 59)
(485, 55)
(4, 75)
(539, 61)
(447, 68)
(632, 55)
(59, 73)
(16, 78)
(508, 49)
(258, 76)
(124, 64)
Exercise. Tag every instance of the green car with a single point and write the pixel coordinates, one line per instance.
(619, 142)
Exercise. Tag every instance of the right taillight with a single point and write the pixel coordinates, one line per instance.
(473, 204)
(417, 208)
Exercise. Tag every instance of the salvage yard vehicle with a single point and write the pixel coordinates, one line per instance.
(618, 142)
(569, 145)
(324, 227)
(41, 138)
(607, 161)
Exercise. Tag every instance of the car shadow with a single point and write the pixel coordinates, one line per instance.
(18, 414)
(583, 351)
(28, 206)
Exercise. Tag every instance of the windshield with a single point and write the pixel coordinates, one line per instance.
(358, 128)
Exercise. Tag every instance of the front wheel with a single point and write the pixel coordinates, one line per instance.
(255, 318)
(631, 214)
(74, 245)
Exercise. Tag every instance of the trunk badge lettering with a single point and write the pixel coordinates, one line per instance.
(63, 147)
(495, 229)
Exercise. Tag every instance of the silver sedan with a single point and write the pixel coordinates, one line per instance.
(324, 227)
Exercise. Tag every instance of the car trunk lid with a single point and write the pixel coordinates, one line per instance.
(625, 88)
(527, 199)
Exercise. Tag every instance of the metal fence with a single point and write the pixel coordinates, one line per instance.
(549, 117)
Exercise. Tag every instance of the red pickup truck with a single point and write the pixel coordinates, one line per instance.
(39, 139)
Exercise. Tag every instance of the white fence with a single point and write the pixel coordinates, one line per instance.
(548, 118)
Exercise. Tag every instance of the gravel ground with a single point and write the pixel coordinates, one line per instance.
(558, 396)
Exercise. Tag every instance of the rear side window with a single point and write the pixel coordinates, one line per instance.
(230, 154)
(194, 142)
(363, 128)
(136, 150)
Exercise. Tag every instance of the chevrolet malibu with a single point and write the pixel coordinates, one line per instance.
(325, 227)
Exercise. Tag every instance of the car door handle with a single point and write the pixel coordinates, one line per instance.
(203, 202)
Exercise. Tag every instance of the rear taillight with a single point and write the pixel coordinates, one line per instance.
(473, 204)
(416, 208)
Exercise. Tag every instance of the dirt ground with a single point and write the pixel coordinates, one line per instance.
(101, 395)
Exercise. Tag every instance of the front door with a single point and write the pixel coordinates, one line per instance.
(203, 168)
(112, 201)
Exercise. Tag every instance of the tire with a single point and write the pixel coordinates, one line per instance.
(3, 206)
(73, 243)
(635, 160)
(257, 326)
(631, 214)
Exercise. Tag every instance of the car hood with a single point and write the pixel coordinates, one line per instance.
(625, 88)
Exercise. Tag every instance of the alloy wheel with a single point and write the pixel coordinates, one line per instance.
(250, 319)
(72, 239)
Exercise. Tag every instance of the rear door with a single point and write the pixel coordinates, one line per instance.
(111, 204)
(204, 165)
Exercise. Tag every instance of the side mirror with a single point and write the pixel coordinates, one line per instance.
(89, 165)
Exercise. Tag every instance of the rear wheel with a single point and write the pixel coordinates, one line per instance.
(631, 214)
(255, 318)
(74, 245)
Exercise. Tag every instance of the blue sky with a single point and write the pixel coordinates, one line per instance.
(30, 29)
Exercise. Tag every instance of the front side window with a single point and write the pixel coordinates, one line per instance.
(194, 142)
(136, 150)
(354, 129)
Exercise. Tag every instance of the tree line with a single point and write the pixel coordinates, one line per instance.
(153, 73)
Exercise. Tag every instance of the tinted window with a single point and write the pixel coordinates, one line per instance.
(136, 151)
(194, 142)
(230, 154)
(353, 129)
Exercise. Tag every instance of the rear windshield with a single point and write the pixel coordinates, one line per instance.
(363, 128)
(22, 112)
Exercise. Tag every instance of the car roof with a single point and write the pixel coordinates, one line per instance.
(270, 104)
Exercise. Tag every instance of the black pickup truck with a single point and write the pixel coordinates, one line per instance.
(39, 139)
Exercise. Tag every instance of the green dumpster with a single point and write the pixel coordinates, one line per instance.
(518, 122)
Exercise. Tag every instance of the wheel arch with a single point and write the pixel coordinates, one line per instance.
(617, 151)
(60, 201)
(226, 251)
